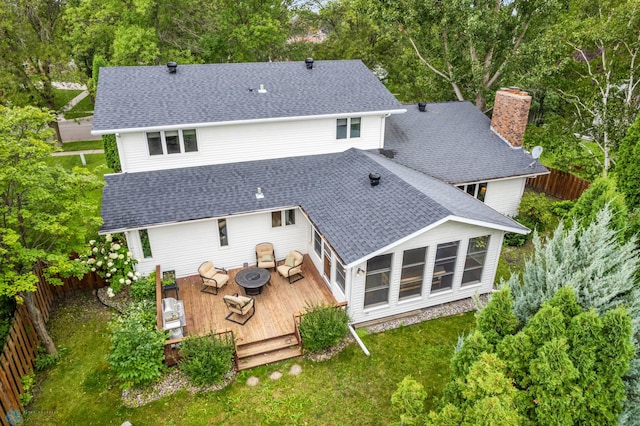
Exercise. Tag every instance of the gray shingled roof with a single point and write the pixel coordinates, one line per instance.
(453, 142)
(333, 189)
(148, 96)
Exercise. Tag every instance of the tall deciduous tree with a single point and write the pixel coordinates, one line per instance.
(30, 31)
(43, 210)
(602, 79)
(470, 46)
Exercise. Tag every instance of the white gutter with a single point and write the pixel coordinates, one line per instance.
(433, 225)
(204, 219)
(251, 121)
(357, 339)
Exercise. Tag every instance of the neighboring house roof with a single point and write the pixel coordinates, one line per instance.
(453, 142)
(143, 97)
(333, 189)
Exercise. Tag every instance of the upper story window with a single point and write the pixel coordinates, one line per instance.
(172, 142)
(348, 128)
(477, 190)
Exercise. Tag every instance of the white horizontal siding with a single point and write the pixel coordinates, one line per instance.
(447, 232)
(183, 247)
(504, 195)
(247, 142)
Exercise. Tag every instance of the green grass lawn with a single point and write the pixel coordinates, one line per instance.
(62, 97)
(82, 145)
(349, 389)
(84, 108)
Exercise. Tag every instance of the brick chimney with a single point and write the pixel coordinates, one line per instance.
(510, 115)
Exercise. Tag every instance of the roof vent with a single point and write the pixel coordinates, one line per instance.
(259, 194)
(173, 67)
(309, 63)
(261, 89)
(422, 106)
(374, 178)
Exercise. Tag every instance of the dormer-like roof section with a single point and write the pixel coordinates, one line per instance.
(453, 142)
(147, 97)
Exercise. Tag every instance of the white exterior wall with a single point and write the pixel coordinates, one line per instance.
(504, 195)
(184, 247)
(447, 232)
(247, 142)
(318, 262)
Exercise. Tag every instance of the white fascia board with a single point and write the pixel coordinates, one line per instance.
(251, 121)
(204, 219)
(432, 226)
(531, 175)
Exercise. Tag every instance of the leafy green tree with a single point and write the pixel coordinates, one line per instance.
(44, 210)
(601, 270)
(31, 53)
(628, 165)
(470, 46)
(602, 67)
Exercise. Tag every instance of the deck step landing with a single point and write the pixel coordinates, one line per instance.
(267, 351)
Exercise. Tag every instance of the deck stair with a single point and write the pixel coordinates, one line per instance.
(266, 351)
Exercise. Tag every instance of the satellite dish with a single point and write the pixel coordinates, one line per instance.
(536, 152)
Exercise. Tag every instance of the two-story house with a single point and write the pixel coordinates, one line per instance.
(315, 156)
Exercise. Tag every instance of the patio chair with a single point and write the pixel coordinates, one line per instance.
(292, 266)
(212, 278)
(265, 256)
(239, 305)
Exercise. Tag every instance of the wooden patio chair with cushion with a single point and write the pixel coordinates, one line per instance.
(265, 256)
(292, 266)
(212, 278)
(239, 305)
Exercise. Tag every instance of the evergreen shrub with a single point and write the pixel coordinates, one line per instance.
(323, 326)
(206, 359)
(111, 152)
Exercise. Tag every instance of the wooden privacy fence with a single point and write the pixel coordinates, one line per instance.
(19, 352)
(559, 184)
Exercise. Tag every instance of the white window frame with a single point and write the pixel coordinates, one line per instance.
(472, 255)
(163, 142)
(349, 131)
(142, 244)
(283, 218)
(476, 192)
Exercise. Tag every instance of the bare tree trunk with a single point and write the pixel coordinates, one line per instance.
(56, 128)
(38, 323)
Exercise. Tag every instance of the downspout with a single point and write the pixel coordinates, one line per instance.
(357, 339)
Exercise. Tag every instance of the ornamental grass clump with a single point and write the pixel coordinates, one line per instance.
(112, 260)
(207, 359)
(322, 326)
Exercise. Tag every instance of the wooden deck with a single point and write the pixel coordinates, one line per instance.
(275, 307)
